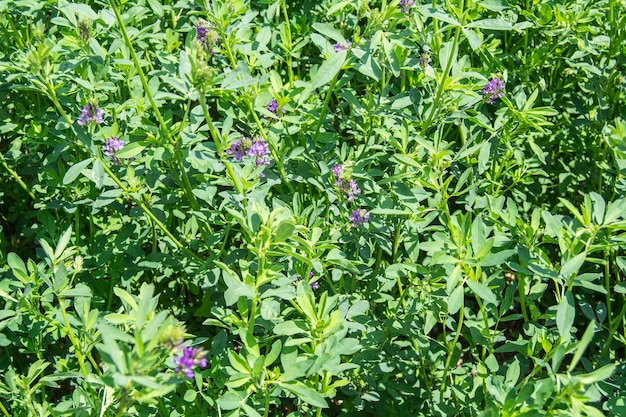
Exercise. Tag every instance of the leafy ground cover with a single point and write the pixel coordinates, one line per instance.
(312, 208)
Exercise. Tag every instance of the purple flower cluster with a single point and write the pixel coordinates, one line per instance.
(206, 36)
(314, 285)
(111, 146)
(255, 148)
(272, 107)
(405, 5)
(91, 113)
(359, 217)
(189, 358)
(341, 47)
(346, 185)
(493, 90)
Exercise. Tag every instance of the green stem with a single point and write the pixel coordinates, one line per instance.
(164, 128)
(218, 144)
(149, 213)
(607, 283)
(271, 145)
(522, 297)
(451, 352)
(288, 45)
(70, 333)
(267, 403)
(252, 317)
(53, 96)
(16, 177)
(329, 92)
(4, 410)
(444, 78)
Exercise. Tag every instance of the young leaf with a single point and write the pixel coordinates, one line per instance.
(305, 393)
(565, 314)
(75, 170)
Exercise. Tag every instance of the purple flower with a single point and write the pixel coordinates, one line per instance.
(111, 146)
(272, 107)
(341, 47)
(351, 190)
(359, 217)
(336, 170)
(206, 36)
(344, 183)
(405, 5)
(314, 285)
(259, 151)
(493, 90)
(91, 113)
(237, 149)
(189, 358)
(255, 148)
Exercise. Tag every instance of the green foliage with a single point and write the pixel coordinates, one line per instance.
(320, 208)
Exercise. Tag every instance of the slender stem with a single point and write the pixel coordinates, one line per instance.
(522, 297)
(53, 96)
(267, 403)
(164, 128)
(218, 144)
(70, 333)
(288, 45)
(607, 283)
(451, 352)
(253, 309)
(325, 105)
(149, 213)
(16, 177)
(444, 78)
(4, 410)
(271, 145)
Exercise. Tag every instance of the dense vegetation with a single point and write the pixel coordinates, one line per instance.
(312, 208)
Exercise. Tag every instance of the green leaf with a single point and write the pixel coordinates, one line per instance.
(446, 54)
(232, 400)
(131, 150)
(490, 24)
(62, 243)
(572, 209)
(582, 345)
(81, 290)
(597, 375)
(455, 301)
(482, 291)
(75, 170)
(305, 393)
(238, 363)
(565, 314)
(439, 15)
(291, 327)
(328, 69)
(125, 296)
(110, 350)
(97, 173)
(274, 353)
(573, 265)
(284, 230)
(328, 31)
(18, 267)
